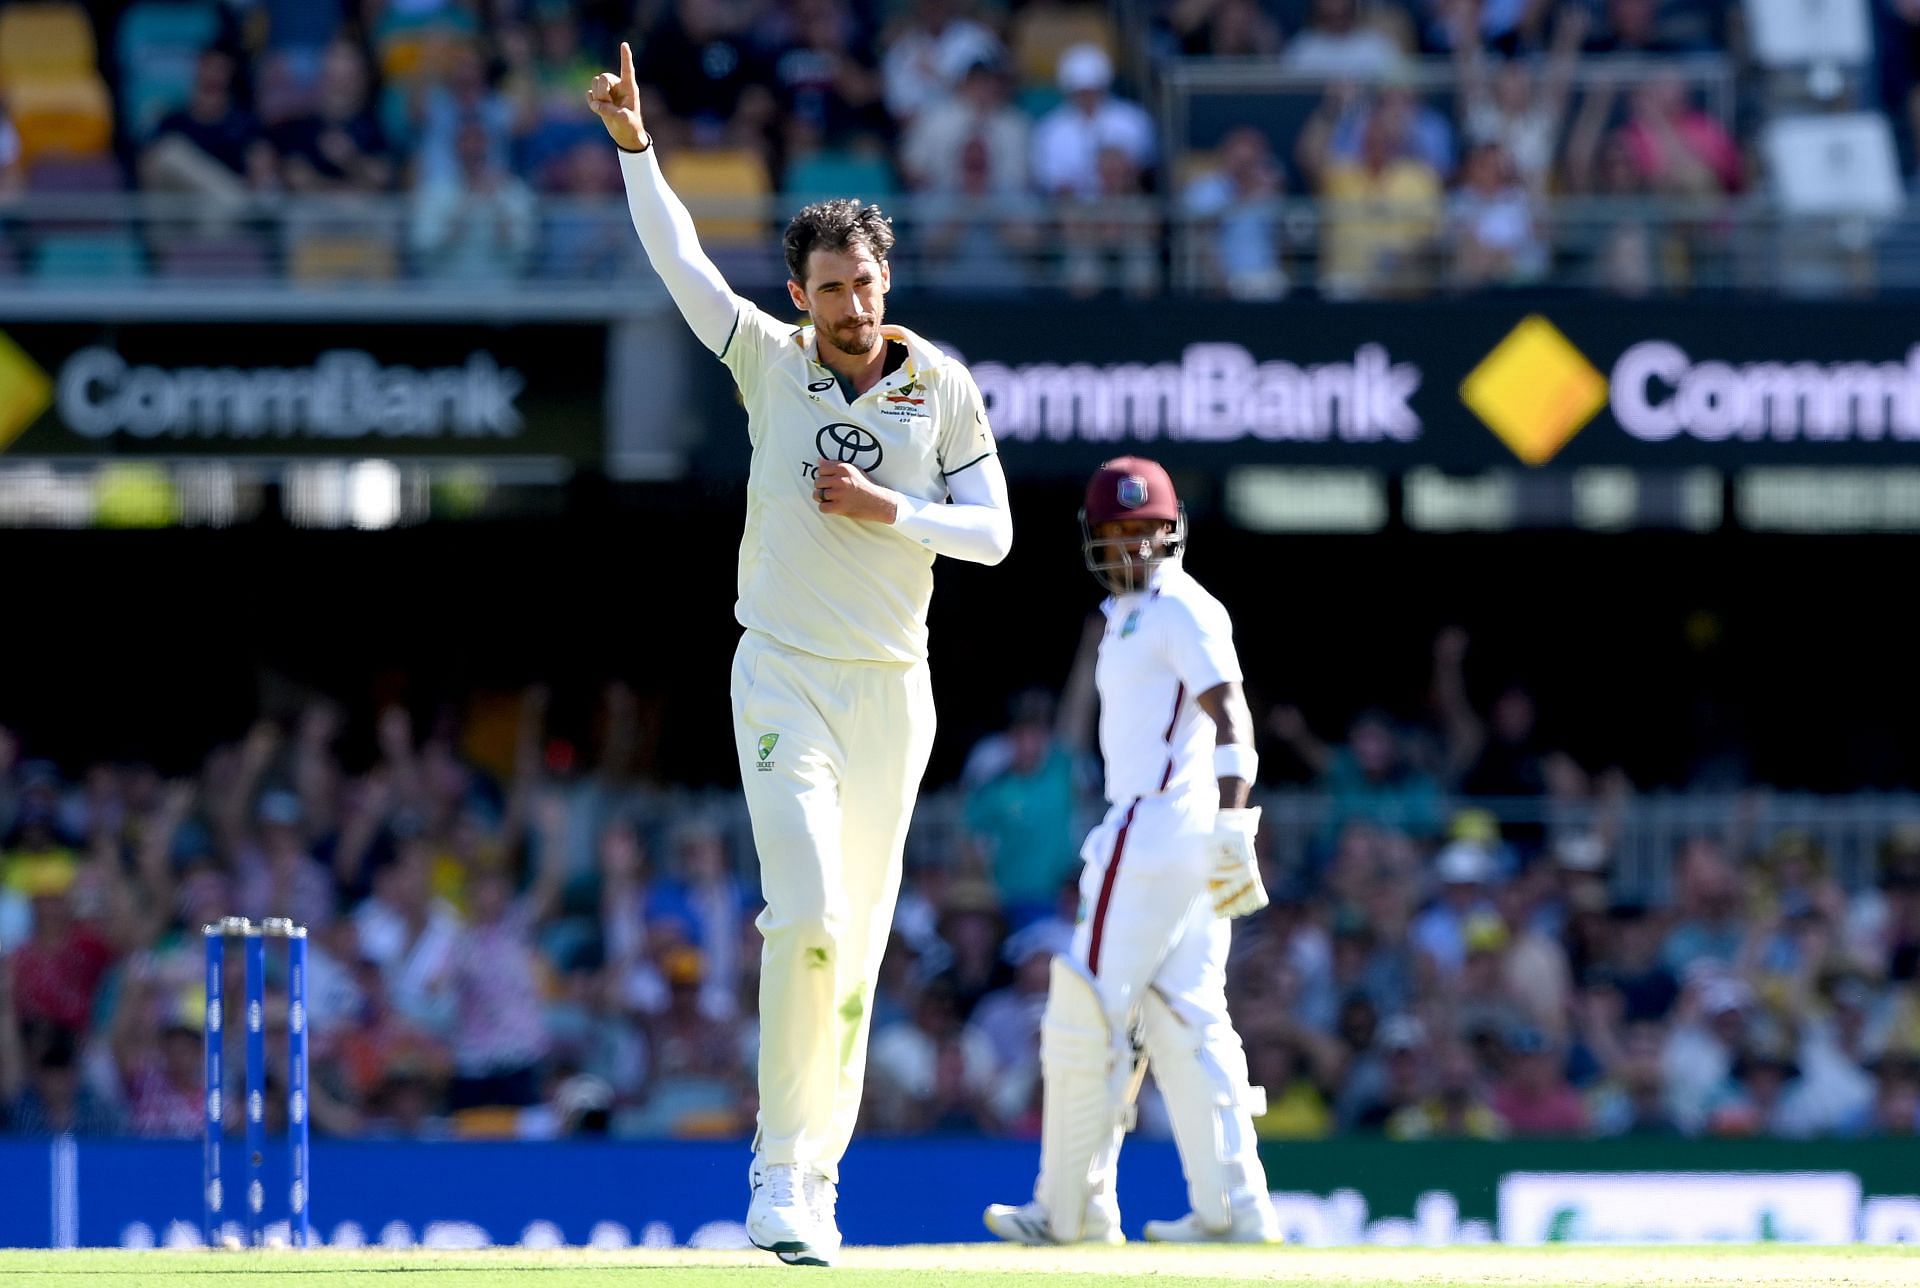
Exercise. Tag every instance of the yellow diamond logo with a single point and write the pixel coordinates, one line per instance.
(1535, 390)
(25, 391)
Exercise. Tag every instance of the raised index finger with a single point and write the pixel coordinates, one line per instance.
(626, 67)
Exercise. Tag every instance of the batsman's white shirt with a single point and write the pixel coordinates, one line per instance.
(833, 587)
(1163, 647)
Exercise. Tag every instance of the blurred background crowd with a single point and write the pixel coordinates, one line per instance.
(1362, 148)
(519, 929)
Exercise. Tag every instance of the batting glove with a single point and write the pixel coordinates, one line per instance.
(1233, 877)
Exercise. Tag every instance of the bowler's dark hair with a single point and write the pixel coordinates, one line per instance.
(837, 225)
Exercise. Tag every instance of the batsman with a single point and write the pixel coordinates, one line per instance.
(1165, 872)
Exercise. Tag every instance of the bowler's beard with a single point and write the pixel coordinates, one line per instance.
(849, 338)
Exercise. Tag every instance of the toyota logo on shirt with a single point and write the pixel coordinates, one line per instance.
(850, 445)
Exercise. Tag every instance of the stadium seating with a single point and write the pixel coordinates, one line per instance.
(63, 114)
(1042, 32)
(839, 174)
(156, 48)
(321, 258)
(731, 174)
(73, 258)
(223, 258)
(44, 40)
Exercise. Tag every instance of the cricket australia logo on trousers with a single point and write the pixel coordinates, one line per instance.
(767, 744)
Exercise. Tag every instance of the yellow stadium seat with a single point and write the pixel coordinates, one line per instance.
(728, 174)
(1041, 33)
(39, 40)
(487, 1122)
(342, 257)
(69, 115)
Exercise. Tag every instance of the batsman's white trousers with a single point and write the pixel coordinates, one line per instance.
(1148, 923)
(831, 754)
(1144, 916)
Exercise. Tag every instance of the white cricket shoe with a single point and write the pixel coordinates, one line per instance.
(1253, 1222)
(1028, 1223)
(822, 1197)
(778, 1219)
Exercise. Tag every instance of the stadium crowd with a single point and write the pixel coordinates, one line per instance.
(514, 934)
(1026, 125)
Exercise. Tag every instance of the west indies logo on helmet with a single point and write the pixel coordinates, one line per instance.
(1134, 492)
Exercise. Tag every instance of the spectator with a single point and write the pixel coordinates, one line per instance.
(1069, 141)
(930, 55)
(492, 978)
(703, 904)
(1456, 1109)
(1707, 898)
(1336, 44)
(157, 1055)
(1630, 258)
(1240, 218)
(934, 151)
(549, 122)
(1024, 820)
(1533, 1098)
(1677, 148)
(462, 100)
(57, 972)
(51, 1100)
(1519, 107)
(1638, 27)
(701, 83)
(1391, 1083)
(1710, 1028)
(278, 877)
(1369, 779)
(1762, 1093)
(827, 78)
(211, 147)
(1492, 227)
(410, 933)
(1647, 987)
(585, 237)
(341, 146)
(697, 1080)
(929, 1073)
(478, 226)
(1421, 131)
(1628, 1100)
(1009, 1019)
(1224, 29)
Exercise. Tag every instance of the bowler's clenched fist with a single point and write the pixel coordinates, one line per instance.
(845, 490)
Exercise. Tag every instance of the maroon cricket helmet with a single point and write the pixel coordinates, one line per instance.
(1131, 487)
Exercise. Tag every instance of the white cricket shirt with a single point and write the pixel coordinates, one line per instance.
(1163, 647)
(822, 583)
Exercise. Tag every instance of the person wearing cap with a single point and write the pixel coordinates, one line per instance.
(1164, 873)
(1463, 871)
(1069, 140)
(871, 455)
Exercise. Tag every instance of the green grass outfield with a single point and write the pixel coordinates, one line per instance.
(994, 1265)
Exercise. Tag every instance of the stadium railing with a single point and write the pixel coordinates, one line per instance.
(169, 244)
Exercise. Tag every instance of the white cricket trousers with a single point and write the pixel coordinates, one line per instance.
(1148, 923)
(831, 755)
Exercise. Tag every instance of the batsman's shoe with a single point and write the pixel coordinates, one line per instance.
(822, 1197)
(1253, 1222)
(777, 1219)
(1028, 1224)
